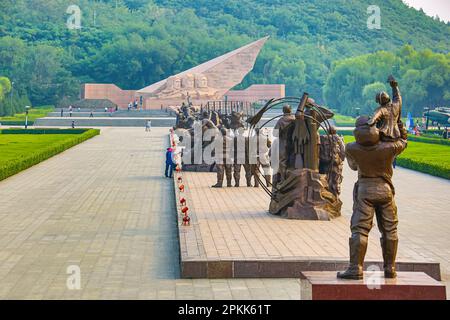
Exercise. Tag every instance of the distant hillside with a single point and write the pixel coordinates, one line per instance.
(136, 42)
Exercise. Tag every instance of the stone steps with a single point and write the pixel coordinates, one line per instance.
(102, 114)
(104, 122)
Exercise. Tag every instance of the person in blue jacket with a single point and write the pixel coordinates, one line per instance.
(170, 164)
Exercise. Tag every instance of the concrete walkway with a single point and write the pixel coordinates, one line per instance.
(104, 206)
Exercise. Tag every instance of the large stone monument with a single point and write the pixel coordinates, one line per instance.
(208, 81)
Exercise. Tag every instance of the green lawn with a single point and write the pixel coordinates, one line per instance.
(428, 158)
(21, 151)
(17, 146)
(344, 121)
(33, 114)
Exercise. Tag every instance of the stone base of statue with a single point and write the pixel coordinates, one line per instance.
(304, 195)
(323, 285)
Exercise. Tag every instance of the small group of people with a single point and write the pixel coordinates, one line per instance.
(133, 105)
(70, 111)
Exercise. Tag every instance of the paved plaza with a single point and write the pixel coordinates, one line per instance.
(105, 206)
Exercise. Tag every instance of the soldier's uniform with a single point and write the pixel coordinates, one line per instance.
(284, 125)
(373, 194)
(224, 164)
(240, 142)
(332, 155)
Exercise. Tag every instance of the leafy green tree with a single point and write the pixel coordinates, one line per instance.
(423, 77)
(368, 93)
(5, 87)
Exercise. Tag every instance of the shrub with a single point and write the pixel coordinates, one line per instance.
(435, 169)
(43, 131)
(434, 140)
(433, 159)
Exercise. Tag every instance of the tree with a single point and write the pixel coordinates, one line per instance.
(5, 87)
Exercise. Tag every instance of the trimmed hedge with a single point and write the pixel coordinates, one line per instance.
(43, 131)
(13, 167)
(433, 159)
(434, 170)
(15, 123)
(436, 140)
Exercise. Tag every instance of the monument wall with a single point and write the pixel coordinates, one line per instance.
(107, 91)
(257, 92)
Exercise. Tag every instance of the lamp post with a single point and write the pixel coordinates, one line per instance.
(12, 90)
(27, 108)
(427, 114)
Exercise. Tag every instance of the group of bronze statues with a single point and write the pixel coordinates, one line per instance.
(230, 158)
(305, 183)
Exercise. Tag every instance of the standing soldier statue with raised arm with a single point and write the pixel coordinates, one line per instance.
(373, 193)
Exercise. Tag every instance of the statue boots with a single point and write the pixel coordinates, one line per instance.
(229, 182)
(236, 182)
(249, 181)
(256, 182)
(389, 248)
(268, 180)
(358, 247)
(219, 182)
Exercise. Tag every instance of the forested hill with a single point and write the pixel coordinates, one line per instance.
(136, 42)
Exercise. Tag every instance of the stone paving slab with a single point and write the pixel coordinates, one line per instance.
(105, 206)
(233, 235)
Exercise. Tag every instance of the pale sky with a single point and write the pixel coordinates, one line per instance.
(432, 7)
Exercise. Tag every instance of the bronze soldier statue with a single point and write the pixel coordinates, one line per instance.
(224, 164)
(264, 145)
(373, 194)
(239, 154)
(285, 129)
(332, 155)
(235, 120)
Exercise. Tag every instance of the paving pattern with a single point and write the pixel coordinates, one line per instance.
(105, 207)
(234, 223)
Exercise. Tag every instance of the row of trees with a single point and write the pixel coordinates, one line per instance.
(134, 43)
(423, 76)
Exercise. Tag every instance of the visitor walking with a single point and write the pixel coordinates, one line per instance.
(91, 115)
(62, 112)
(73, 124)
(170, 163)
(148, 126)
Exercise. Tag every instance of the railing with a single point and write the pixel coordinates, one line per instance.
(227, 107)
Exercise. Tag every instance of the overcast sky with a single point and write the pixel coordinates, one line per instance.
(432, 7)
